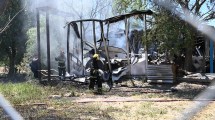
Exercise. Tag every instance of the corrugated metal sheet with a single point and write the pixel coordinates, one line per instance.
(159, 74)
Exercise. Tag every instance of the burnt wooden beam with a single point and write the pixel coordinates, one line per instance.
(105, 45)
(38, 41)
(48, 45)
(94, 37)
(82, 46)
(68, 54)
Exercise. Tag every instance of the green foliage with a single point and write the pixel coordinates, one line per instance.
(31, 46)
(31, 43)
(125, 6)
(168, 31)
(14, 38)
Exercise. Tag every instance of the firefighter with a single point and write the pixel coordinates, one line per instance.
(61, 64)
(35, 66)
(94, 74)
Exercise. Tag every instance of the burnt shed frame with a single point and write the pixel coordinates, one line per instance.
(47, 10)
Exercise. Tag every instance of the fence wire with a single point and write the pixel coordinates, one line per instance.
(8, 108)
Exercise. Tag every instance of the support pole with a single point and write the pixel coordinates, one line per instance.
(38, 42)
(82, 47)
(105, 45)
(108, 26)
(128, 49)
(211, 56)
(145, 46)
(94, 36)
(127, 46)
(68, 54)
(48, 46)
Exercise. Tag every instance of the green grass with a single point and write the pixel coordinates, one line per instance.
(27, 93)
(19, 93)
(150, 110)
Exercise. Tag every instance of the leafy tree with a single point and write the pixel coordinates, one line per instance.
(125, 6)
(185, 9)
(13, 39)
(176, 35)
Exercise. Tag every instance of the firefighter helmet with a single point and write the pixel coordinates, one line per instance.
(96, 56)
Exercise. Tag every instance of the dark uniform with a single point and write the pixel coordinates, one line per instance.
(34, 67)
(94, 74)
(61, 65)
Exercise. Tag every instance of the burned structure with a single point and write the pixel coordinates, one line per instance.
(115, 62)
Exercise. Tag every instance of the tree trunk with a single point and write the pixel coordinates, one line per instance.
(12, 55)
(11, 66)
(188, 59)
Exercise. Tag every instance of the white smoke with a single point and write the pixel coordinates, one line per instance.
(58, 32)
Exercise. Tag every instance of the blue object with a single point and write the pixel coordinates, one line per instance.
(211, 56)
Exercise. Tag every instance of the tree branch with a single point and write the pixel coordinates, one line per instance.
(198, 6)
(10, 20)
(210, 16)
(194, 5)
(208, 11)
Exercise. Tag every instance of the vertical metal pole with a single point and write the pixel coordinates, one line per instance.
(145, 44)
(94, 36)
(82, 47)
(128, 49)
(38, 41)
(108, 25)
(127, 45)
(48, 45)
(68, 55)
(105, 45)
(211, 56)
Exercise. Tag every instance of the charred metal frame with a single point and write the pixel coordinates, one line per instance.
(38, 40)
(108, 21)
(142, 15)
(81, 38)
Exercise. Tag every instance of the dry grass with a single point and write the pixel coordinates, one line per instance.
(23, 97)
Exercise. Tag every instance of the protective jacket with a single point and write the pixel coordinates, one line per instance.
(94, 73)
(61, 61)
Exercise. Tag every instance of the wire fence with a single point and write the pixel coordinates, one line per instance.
(8, 109)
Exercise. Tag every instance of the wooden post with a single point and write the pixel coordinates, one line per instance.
(211, 56)
(68, 54)
(105, 45)
(82, 47)
(128, 49)
(145, 45)
(48, 45)
(38, 42)
(94, 36)
(108, 25)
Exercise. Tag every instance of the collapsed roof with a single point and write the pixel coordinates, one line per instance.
(128, 15)
(114, 19)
